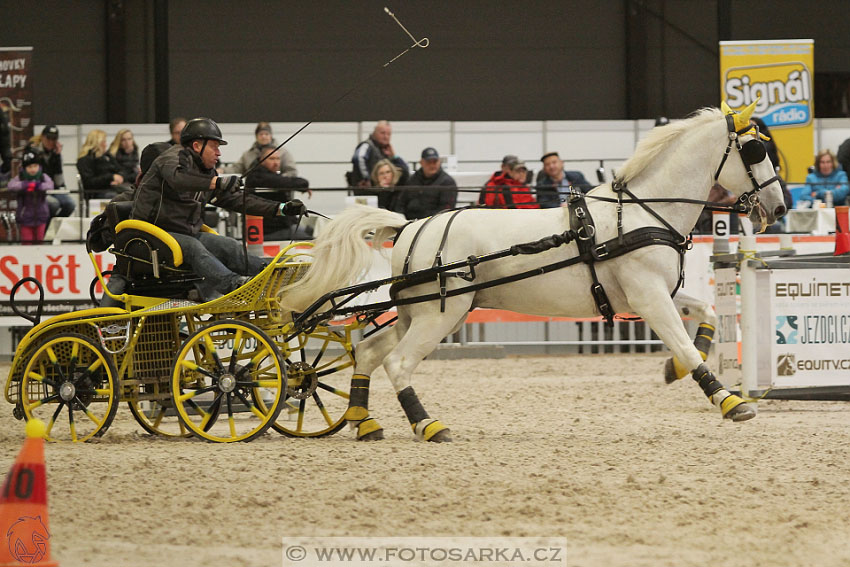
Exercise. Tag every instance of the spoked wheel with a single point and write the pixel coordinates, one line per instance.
(158, 417)
(71, 374)
(317, 390)
(227, 382)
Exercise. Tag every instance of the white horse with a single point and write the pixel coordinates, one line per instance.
(676, 161)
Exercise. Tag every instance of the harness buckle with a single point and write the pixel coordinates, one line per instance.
(601, 251)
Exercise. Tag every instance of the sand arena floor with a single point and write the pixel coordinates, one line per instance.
(592, 448)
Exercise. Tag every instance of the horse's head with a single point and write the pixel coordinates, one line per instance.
(746, 170)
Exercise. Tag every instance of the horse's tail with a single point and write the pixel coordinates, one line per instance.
(341, 255)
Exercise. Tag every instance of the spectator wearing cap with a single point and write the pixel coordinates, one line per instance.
(554, 182)
(369, 152)
(507, 163)
(175, 126)
(49, 148)
(431, 189)
(263, 137)
(31, 185)
(510, 189)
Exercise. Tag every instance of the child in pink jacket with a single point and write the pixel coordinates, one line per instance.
(32, 185)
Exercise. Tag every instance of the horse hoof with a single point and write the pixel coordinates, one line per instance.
(369, 430)
(736, 409)
(432, 430)
(442, 436)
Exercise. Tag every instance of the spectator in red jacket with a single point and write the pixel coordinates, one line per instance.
(509, 190)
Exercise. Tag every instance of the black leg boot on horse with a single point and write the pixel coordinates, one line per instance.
(425, 428)
(357, 413)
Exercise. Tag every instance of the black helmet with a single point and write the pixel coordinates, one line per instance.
(201, 129)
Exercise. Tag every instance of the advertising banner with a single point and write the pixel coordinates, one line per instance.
(780, 75)
(16, 93)
(806, 326)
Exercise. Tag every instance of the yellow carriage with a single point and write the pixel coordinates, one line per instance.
(223, 370)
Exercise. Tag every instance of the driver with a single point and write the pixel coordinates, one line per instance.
(173, 193)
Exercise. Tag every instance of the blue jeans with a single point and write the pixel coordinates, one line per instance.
(61, 205)
(219, 260)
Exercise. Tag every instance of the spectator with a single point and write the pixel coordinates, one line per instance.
(436, 192)
(268, 176)
(717, 194)
(5, 144)
(126, 153)
(173, 193)
(31, 185)
(175, 127)
(554, 182)
(510, 190)
(263, 135)
(507, 163)
(49, 148)
(385, 176)
(99, 172)
(827, 177)
(369, 152)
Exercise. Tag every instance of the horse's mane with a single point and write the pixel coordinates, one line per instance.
(659, 139)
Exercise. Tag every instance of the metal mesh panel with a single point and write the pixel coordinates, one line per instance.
(152, 358)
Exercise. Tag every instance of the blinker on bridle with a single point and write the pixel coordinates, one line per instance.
(751, 153)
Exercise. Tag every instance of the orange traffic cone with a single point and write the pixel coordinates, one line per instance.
(842, 231)
(23, 506)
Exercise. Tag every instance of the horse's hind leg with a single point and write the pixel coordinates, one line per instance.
(701, 311)
(370, 353)
(422, 337)
(660, 312)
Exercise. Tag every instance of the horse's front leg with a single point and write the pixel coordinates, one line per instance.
(370, 354)
(688, 306)
(653, 304)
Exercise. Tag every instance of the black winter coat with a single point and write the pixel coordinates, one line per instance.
(430, 200)
(96, 172)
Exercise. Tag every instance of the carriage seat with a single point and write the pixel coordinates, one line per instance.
(148, 257)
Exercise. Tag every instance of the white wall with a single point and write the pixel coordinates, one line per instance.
(323, 150)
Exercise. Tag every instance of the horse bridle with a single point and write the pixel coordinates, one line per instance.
(751, 153)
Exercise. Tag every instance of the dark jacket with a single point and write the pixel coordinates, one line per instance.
(261, 177)
(366, 155)
(96, 172)
(129, 164)
(421, 203)
(174, 191)
(548, 194)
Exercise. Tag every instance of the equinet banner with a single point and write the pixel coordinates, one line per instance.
(779, 74)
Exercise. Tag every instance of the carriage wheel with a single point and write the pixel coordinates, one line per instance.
(227, 383)
(71, 374)
(317, 390)
(158, 418)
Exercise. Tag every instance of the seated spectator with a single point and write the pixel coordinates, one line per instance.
(385, 175)
(510, 190)
(554, 182)
(263, 135)
(126, 153)
(718, 194)
(369, 152)
(268, 176)
(827, 177)
(507, 163)
(175, 126)
(48, 146)
(436, 192)
(31, 185)
(99, 172)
